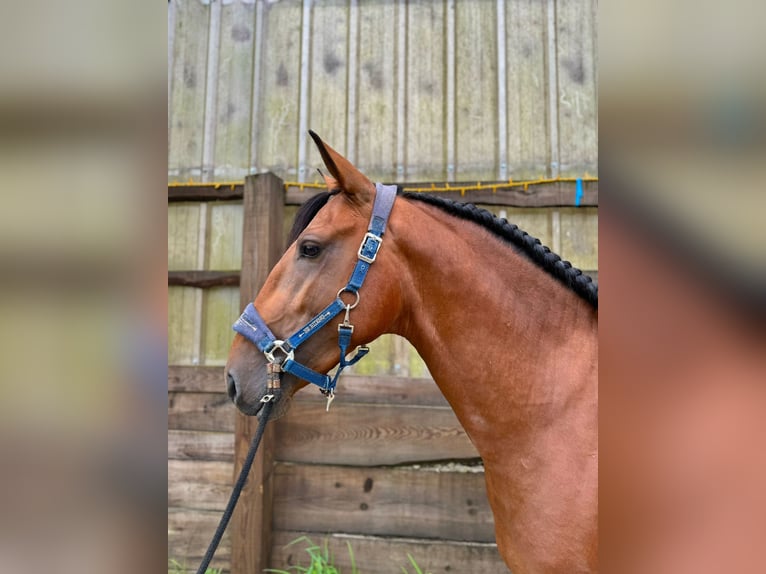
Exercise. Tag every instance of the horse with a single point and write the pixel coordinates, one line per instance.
(506, 328)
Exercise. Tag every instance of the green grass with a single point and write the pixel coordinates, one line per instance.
(321, 561)
(414, 565)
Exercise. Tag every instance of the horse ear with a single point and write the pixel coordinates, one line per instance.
(329, 181)
(344, 175)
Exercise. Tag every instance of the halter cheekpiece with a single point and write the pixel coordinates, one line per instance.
(280, 353)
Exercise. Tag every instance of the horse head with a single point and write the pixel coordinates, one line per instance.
(314, 272)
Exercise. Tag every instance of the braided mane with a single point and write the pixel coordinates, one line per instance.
(570, 276)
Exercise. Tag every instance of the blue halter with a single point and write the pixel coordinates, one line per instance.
(252, 326)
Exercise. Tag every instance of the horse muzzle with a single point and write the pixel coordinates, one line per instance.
(247, 381)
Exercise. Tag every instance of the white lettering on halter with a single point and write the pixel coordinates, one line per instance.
(317, 320)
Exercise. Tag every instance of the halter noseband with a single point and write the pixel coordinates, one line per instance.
(252, 326)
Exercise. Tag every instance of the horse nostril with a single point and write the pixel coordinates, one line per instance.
(231, 386)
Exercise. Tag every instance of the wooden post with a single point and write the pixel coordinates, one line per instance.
(262, 246)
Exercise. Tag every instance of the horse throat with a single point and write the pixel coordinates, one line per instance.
(490, 324)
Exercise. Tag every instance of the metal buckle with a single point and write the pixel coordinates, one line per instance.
(277, 344)
(330, 398)
(354, 293)
(377, 240)
(267, 398)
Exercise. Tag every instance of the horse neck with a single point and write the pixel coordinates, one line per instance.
(500, 336)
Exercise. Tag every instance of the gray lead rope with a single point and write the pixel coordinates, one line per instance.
(241, 480)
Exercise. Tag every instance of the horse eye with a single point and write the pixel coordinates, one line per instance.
(310, 250)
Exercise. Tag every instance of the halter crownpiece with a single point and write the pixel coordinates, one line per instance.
(281, 354)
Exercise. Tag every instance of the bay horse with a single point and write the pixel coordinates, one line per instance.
(506, 328)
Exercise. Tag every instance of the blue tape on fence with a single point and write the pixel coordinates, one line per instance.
(578, 193)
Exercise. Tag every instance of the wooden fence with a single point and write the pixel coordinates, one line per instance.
(411, 90)
(388, 470)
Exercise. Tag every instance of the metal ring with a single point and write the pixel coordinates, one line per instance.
(277, 344)
(347, 290)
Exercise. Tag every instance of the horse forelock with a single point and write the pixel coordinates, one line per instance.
(307, 213)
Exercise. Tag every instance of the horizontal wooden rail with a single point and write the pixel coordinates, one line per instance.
(194, 192)
(203, 279)
(402, 502)
(553, 194)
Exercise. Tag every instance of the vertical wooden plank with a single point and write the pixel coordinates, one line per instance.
(527, 134)
(171, 51)
(556, 231)
(279, 89)
(221, 309)
(450, 75)
(183, 235)
(258, 67)
(262, 243)
(476, 90)
(187, 109)
(303, 104)
(401, 86)
(211, 91)
(328, 67)
(200, 300)
(551, 88)
(262, 246)
(426, 92)
(577, 93)
(224, 247)
(182, 303)
(579, 237)
(376, 116)
(502, 92)
(235, 91)
(351, 79)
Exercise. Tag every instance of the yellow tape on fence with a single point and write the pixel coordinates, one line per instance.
(461, 188)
